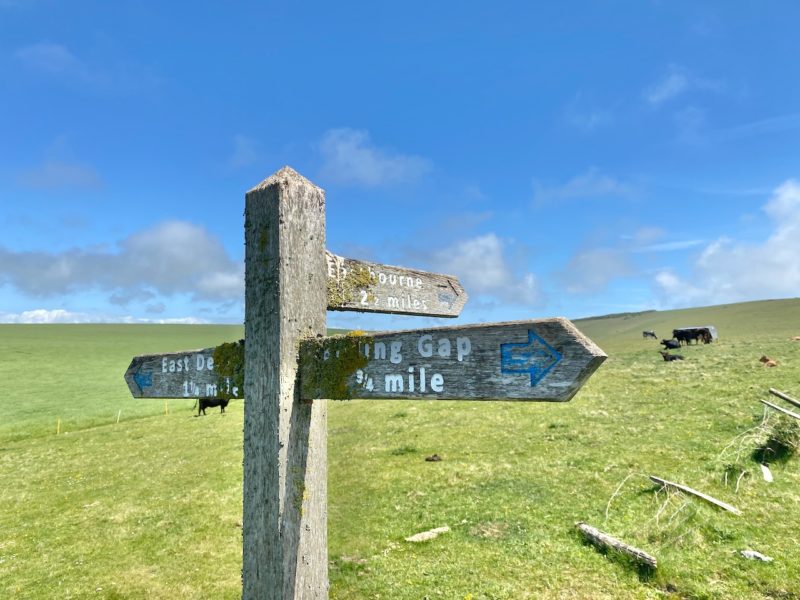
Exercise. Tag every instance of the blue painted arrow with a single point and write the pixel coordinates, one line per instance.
(143, 380)
(535, 357)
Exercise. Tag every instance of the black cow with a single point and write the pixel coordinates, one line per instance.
(670, 357)
(204, 403)
(671, 344)
(648, 333)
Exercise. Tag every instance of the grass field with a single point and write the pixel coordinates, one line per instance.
(104, 496)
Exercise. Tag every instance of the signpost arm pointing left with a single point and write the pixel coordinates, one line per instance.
(285, 549)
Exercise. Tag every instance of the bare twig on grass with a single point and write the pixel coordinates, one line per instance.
(688, 490)
(616, 491)
(780, 410)
(786, 397)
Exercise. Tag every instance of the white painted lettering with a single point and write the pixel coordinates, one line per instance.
(463, 347)
(211, 390)
(172, 366)
(200, 361)
(422, 379)
(418, 283)
(380, 351)
(437, 382)
(164, 365)
(392, 279)
(210, 363)
(425, 346)
(382, 278)
(393, 383)
(444, 348)
(395, 357)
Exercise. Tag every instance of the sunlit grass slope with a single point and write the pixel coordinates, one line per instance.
(150, 507)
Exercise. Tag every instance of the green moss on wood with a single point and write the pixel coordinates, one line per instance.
(327, 365)
(345, 289)
(229, 365)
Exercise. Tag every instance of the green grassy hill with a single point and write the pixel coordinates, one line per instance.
(141, 499)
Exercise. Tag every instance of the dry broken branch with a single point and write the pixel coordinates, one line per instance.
(780, 410)
(783, 396)
(604, 540)
(688, 490)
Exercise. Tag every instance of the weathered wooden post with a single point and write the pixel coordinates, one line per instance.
(290, 280)
(285, 546)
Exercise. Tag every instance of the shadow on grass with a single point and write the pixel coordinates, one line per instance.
(782, 442)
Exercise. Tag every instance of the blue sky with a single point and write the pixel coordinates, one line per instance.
(571, 158)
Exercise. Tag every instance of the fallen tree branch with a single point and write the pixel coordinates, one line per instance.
(688, 490)
(786, 397)
(604, 540)
(781, 410)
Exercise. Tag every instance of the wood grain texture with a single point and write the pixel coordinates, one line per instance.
(544, 360)
(363, 286)
(189, 374)
(285, 550)
(604, 540)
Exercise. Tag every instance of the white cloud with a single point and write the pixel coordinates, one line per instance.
(481, 265)
(731, 271)
(592, 270)
(667, 88)
(592, 184)
(58, 315)
(677, 82)
(53, 59)
(57, 62)
(245, 151)
(174, 257)
(582, 114)
(779, 124)
(350, 157)
(670, 246)
(53, 174)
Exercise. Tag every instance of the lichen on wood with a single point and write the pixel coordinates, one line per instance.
(229, 365)
(328, 364)
(343, 290)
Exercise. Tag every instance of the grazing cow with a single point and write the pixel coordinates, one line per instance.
(670, 357)
(670, 344)
(768, 362)
(649, 333)
(204, 403)
(795, 338)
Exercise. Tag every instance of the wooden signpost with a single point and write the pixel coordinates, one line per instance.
(547, 359)
(290, 281)
(369, 287)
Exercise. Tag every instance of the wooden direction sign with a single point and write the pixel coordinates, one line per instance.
(545, 360)
(290, 280)
(208, 373)
(369, 287)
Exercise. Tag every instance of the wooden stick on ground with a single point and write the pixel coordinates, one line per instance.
(783, 396)
(688, 490)
(781, 410)
(599, 538)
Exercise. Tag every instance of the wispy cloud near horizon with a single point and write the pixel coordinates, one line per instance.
(591, 184)
(350, 157)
